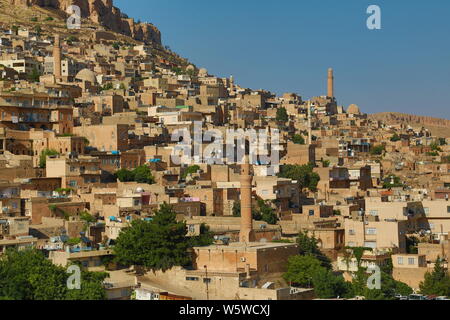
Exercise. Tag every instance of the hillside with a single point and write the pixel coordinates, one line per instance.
(439, 127)
(97, 15)
(101, 12)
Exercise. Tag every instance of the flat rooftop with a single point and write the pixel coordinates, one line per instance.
(252, 246)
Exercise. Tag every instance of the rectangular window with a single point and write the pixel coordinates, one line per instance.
(400, 260)
(351, 232)
(191, 279)
(207, 280)
(371, 231)
(448, 209)
(411, 261)
(370, 244)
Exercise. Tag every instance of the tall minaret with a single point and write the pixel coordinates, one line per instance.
(309, 124)
(57, 57)
(246, 234)
(330, 83)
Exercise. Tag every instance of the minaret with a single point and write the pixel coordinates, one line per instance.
(246, 234)
(330, 83)
(57, 57)
(309, 124)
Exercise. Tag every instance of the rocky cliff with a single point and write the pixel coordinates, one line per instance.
(394, 117)
(103, 13)
(439, 127)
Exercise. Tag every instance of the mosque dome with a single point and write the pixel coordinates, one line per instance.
(353, 109)
(203, 72)
(86, 75)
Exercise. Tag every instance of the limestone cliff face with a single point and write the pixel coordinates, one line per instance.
(394, 117)
(105, 14)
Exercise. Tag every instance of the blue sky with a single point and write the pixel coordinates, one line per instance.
(288, 45)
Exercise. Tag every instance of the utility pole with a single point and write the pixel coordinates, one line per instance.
(207, 282)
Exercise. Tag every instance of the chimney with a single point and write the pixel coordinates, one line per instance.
(330, 83)
(246, 234)
(247, 271)
(57, 57)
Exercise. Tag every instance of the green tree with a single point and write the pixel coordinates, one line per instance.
(282, 115)
(73, 241)
(124, 175)
(377, 150)
(395, 138)
(72, 38)
(392, 181)
(91, 287)
(435, 147)
(328, 286)
(143, 174)
(190, 170)
(107, 86)
(310, 246)
(304, 175)
(38, 30)
(298, 139)
(34, 75)
(159, 244)
(205, 238)
(28, 275)
(436, 282)
(267, 213)
(87, 217)
(43, 157)
(301, 270)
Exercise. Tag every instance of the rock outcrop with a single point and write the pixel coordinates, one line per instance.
(105, 14)
(394, 117)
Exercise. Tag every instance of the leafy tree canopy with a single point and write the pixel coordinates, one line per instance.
(28, 275)
(298, 139)
(190, 170)
(436, 282)
(141, 174)
(282, 115)
(377, 150)
(304, 175)
(159, 244)
(310, 246)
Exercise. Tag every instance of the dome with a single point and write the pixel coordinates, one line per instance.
(203, 72)
(86, 75)
(353, 109)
